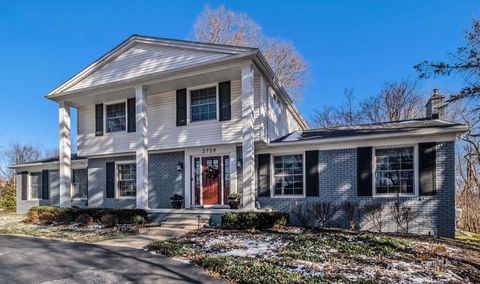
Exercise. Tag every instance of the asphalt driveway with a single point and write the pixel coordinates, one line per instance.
(33, 260)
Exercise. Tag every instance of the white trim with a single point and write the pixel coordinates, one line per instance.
(189, 103)
(415, 172)
(128, 162)
(272, 175)
(115, 102)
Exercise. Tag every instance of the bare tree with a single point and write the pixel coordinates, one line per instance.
(18, 154)
(396, 101)
(465, 63)
(346, 114)
(222, 26)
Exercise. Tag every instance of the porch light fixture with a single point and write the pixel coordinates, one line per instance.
(239, 163)
(179, 167)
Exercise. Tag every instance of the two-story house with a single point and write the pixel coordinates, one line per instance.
(158, 117)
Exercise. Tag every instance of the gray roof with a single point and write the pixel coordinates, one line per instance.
(402, 126)
(52, 160)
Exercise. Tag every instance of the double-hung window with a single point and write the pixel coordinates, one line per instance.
(126, 180)
(35, 185)
(203, 104)
(116, 117)
(80, 184)
(288, 175)
(395, 171)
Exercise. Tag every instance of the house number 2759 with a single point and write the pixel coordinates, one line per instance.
(209, 150)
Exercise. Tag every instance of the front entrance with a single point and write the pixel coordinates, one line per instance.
(211, 177)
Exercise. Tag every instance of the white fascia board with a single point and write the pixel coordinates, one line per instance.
(76, 164)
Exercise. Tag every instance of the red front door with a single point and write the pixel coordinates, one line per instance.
(211, 183)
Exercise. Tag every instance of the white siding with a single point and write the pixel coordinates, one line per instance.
(279, 123)
(89, 144)
(144, 59)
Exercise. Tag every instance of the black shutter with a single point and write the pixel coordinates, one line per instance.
(181, 107)
(24, 185)
(427, 165)
(312, 175)
(110, 179)
(131, 125)
(224, 100)
(99, 120)
(45, 185)
(264, 175)
(364, 171)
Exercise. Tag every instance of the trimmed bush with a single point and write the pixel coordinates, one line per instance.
(65, 215)
(109, 220)
(31, 217)
(138, 220)
(84, 220)
(254, 220)
(46, 218)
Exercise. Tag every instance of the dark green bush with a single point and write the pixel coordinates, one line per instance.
(254, 220)
(64, 215)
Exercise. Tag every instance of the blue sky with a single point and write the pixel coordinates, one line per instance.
(348, 44)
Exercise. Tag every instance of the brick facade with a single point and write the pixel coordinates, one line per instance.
(435, 215)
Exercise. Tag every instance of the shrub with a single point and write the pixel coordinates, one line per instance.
(109, 220)
(46, 217)
(353, 212)
(403, 215)
(254, 220)
(138, 220)
(170, 248)
(8, 198)
(84, 219)
(374, 214)
(124, 216)
(31, 217)
(323, 213)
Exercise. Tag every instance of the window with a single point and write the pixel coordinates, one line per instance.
(394, 171)
(80, 184)
(116, 117)
(288, 175)
(276, 105)
(203, 104)
(126, 180)
(35, 185)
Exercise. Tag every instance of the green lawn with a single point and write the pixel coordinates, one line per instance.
(292, 255)
(13, 224)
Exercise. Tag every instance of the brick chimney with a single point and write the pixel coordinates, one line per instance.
(435, 106)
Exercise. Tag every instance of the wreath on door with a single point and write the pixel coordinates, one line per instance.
(212, 172)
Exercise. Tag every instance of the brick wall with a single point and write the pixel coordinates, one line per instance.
(164, 179)
(435, 215)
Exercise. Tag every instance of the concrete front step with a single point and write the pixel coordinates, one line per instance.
(160, 231)
(183, 225)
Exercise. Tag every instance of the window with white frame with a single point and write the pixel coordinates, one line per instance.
(276, 105)
(203, 104)
(116, 117)
(288, 175)
(35, 185)
(80, 184)
(395, 171)
(126, 179)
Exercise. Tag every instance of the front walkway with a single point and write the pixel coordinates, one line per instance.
(134, 242)
(34, 260)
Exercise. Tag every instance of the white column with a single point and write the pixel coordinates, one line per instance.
(141, 147)
(248, 138)
(65, 152)
(187, 170)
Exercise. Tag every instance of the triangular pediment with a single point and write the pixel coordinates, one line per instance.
(140, 56)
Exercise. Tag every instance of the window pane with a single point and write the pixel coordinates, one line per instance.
(203, 104)
(116, 117)
(35, 185)
(127, 180)
(288, 175)
(80, 183)
(394, 170)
